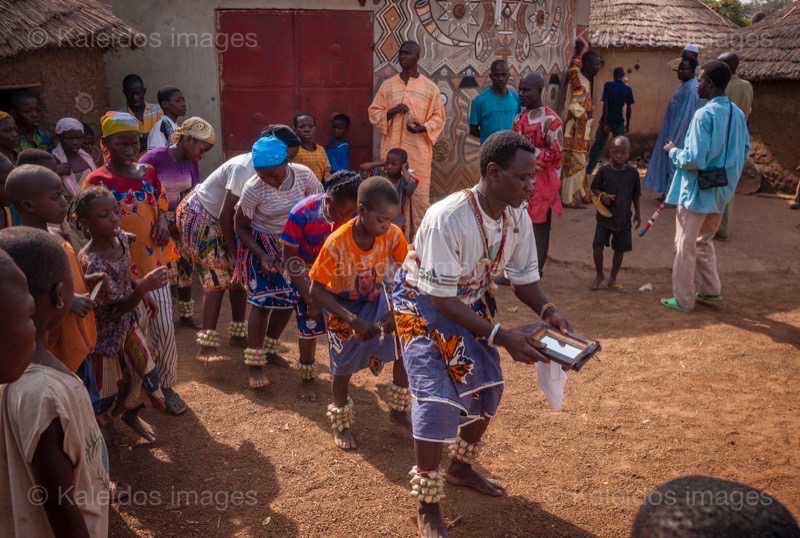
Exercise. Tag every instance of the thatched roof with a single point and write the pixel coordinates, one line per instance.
(27, 25)
(770, 49)
(654, 24)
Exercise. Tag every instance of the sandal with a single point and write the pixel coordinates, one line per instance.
(707, 298)
(673, 304)
(175, 406)
(619, 288)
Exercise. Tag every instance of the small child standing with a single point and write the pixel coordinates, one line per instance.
(50, 443)
(310, 154)
(125, 373)
(27, 111)
(348, 279)
(395, 169)
(173, 104)
(618, 186)
(339, 149)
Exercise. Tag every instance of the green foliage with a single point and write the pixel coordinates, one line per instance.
(733, 10)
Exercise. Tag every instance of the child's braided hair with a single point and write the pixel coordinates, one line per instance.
(85, 198)
(343, 185)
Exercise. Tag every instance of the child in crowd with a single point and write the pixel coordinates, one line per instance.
(27, 111)
(143, 205)
(178, 171)
(90, 144)
(174, 106)
(338, 150)
(260, 218)
(50, 443)
(310, 154)
(395, 169)
(348, 281)
(38, 196)
(310, 223)
(9, 136)
(74, 165)
(125, 374)
(8, 215)
(18, 333)
(617, 186)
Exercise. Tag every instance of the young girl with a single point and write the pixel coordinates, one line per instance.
(74, 165)
(178, 171)
(348, 280)
(124, 385)
(310, 223)
(143, 205)
(49, 439)
(311, 154)
(260, 218)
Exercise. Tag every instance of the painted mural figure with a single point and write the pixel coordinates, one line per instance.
(578, 126)
(409, 113)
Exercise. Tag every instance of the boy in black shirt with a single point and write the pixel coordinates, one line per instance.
(618, 186)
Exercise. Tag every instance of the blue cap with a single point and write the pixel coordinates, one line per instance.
(269, 151)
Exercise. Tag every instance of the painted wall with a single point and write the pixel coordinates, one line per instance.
(774, 135)
(459, 40)
(653, 84)
(73, 82)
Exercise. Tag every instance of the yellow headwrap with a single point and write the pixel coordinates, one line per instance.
(118, 122)
(197, 128)
(4, 115)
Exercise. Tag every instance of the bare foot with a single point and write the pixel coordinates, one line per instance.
(308, 390)
(238, 341)
(400, 418)
(191, 323)
(612, 282)
(344, 439)
(258, 379)
(277, 360)
(109, 434)
(598, 280)
(429, 521)
(461, 474)
(210, 354)
(132, 419)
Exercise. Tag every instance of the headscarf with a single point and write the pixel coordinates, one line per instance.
(118, 122)
(284, 133)
(268, 151)
(4, 115)
(68, 124)
(197, 128)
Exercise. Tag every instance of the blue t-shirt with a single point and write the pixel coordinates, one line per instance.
(338, 155)
(492, 112)
(616, 94)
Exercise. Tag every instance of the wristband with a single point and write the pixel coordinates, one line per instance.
(545, 308)
(494, 332)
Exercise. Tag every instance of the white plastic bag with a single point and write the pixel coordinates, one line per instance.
(552, 380)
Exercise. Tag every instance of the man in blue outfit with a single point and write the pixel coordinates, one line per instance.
(616, 96)
(495, 108)
(717, 138)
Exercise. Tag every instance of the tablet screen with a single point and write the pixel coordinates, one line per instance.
(564, 349)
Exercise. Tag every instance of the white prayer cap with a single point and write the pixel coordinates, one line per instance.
(68, 124)
(692, 48)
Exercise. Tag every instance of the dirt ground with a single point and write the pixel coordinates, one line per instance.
(716, 392)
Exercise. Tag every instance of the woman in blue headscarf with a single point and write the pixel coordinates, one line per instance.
(260, 217)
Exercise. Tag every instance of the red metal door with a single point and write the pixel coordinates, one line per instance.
(311, 61)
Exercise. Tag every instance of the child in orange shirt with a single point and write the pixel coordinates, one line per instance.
(348, 279)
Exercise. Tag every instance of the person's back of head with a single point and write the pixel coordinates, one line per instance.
(702, 506)
(619, 73)
(718, 73)
(37, 157)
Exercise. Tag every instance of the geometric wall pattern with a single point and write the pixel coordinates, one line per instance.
(459, 39)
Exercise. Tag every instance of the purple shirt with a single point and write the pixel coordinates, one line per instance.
(175, 177)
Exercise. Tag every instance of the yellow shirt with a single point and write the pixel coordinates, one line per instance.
(316, 160)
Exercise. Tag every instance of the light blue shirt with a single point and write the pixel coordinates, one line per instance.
(492, 112)
(704, 149)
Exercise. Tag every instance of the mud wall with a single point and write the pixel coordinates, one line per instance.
(774, 134)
